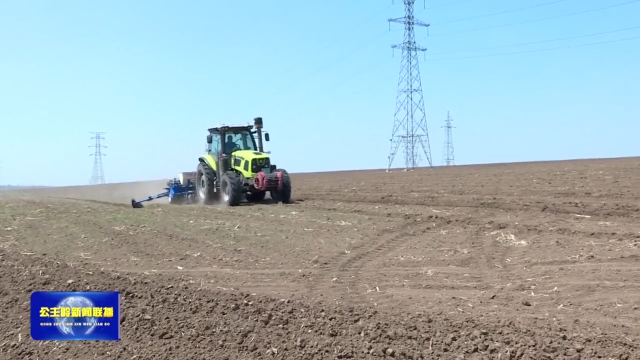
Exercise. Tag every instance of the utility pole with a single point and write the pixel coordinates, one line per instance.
(410, 124)
(97, 175)
(447, 153)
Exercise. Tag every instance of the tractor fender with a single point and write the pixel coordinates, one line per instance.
(208, 162)
(202, 160)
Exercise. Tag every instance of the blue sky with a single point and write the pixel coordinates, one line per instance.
(154, 75)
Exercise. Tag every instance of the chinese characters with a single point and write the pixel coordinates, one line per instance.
(66, 312)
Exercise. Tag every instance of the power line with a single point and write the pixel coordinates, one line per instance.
(330, 44)
(380, 81)
(97, 175)
(539, 50)
(302, 79)
(367, 43)
(343, 81)
(410, 123)
(343, 57)
(354, 29)
(445, 5)
(502, 12)
(328, 65)
(350, 95)
(540, 42)
(448, 158)
(347, 80)
(537, 20)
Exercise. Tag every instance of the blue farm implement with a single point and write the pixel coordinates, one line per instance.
(179, 191)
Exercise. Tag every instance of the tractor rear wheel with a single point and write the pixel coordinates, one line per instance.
(206, 184)
(231, 187)
(284, 195)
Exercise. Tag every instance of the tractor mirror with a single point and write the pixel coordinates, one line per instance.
(209, 139)
(266, 137)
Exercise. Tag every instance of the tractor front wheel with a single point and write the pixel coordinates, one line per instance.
(206, 184)
(231, 188)
(284, 194)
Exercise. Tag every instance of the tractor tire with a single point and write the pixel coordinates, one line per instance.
(206, 184)
(231, 188)
(256, 197)
(283, 195)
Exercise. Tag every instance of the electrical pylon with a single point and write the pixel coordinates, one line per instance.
(448, 158)
(97, 175)
(410, 123)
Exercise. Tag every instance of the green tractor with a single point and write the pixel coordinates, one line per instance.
(236, 168)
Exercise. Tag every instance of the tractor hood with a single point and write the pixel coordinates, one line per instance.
(250, 154)
(249, 162)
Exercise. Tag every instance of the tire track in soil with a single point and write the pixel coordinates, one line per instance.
(561, 208)
(492, 253)
(381, 214)
(322, 276)
(350, 268)
(489, 263)
(494, 225)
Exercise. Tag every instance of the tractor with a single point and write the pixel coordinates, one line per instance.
(236, 168)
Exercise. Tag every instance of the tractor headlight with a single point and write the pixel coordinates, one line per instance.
(259, 164)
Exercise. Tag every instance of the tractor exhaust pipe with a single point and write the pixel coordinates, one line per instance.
(257, 123)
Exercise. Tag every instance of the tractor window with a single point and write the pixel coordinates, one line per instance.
(215, 145)
(239, 140)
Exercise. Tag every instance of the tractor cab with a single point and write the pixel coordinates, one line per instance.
(228, 139)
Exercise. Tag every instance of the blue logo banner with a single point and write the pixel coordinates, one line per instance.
(59, 316)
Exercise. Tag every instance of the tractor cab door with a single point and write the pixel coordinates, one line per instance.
(215, 147)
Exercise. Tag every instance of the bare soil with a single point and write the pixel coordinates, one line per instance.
(514, 261)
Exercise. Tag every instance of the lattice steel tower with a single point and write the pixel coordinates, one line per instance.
(410, 123)
(447, 153)
(97, 175)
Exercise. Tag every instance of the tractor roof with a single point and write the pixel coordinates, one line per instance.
(231, 127)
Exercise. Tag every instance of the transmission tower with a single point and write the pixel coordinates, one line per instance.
(97, 175)
(409, 123)
(447, 153)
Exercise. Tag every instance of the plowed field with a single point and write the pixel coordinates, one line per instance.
(521, 261)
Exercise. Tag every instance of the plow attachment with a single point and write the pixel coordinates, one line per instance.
(179, 191)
